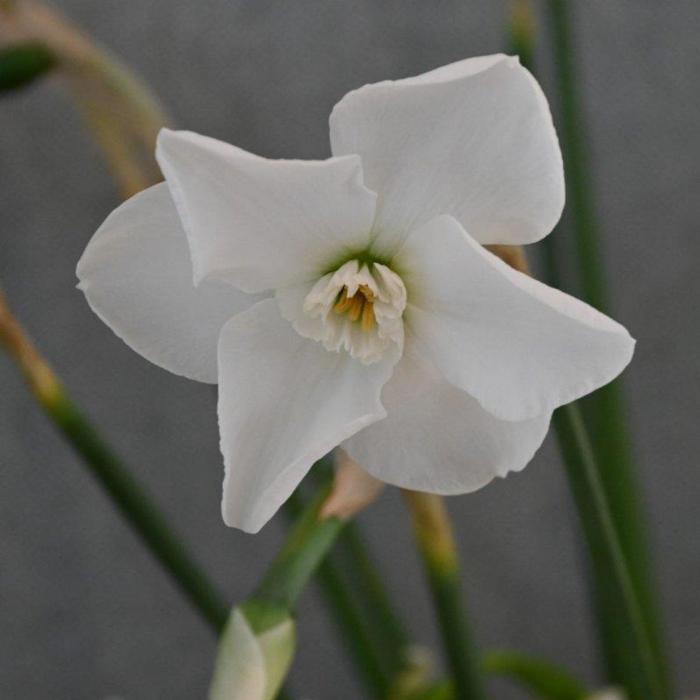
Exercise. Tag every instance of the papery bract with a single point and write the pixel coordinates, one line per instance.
(350, 301)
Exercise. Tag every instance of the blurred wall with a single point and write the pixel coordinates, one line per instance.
(84, 611)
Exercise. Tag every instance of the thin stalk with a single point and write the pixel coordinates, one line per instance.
(303, 552)
(604, 411)
(386, 626)
(606, 550)
(355, 635)
(138, 509)
(583, 221)
(521, 32)
(355, 564)
(133, 502)
(436, 545)
(275, 598)
(353, 631)
(614, 587)
(614, 590)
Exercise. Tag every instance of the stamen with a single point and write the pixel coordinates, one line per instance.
(368, 293)
(344, 303)
(368, 317)
(358, 301)
(360, 306)
(357, 308)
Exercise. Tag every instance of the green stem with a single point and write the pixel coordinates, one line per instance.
(354, 633)
(542, 678)
(604, 411)
(572, 133)
(387, 629)
(606, 552)
(435, 541)
(355, 563)
(134, 504)
(138, 510)
(306, 546)
(302, 556)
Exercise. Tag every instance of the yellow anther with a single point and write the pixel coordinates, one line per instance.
(366, 292)
(344, 303)
(368, 318)
(360, 306)
(355, 311)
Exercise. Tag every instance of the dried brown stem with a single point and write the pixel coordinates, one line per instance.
(513, 255)
(121, 113)
(13, 338)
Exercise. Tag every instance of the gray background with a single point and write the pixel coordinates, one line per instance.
(85, 613)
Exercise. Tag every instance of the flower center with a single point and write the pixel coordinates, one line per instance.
(358, 308)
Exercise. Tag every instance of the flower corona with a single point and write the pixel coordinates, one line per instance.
(357, 308)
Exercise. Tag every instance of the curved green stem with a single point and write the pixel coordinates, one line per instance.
(435, 541)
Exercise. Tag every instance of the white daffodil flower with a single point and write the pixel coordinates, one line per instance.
(350, 301)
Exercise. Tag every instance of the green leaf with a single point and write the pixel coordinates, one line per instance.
(541, 678)
(22, 64)
(607, 556)
(604, 411)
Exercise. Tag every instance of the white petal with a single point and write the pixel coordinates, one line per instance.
(519, 347)
(437, 438)
(240, 664)
(473, 139)
(261, 223)
(284, 402)
(137, 276)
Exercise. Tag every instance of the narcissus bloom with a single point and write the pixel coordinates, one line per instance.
(350, 301)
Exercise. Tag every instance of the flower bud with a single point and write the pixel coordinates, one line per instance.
(255, 653)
